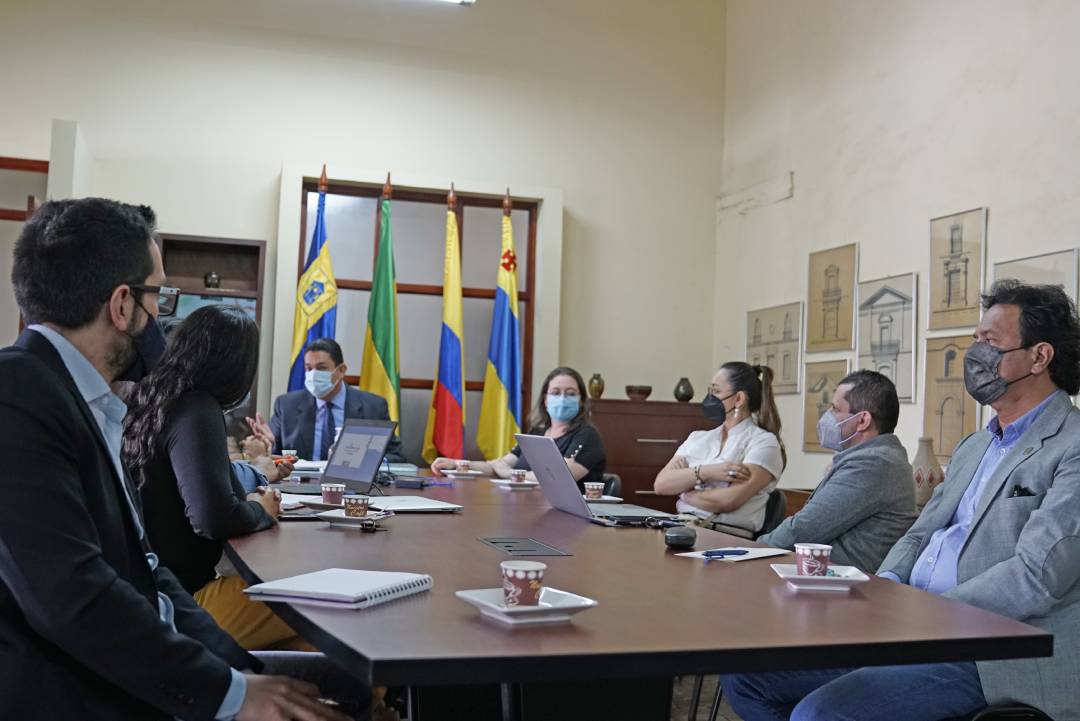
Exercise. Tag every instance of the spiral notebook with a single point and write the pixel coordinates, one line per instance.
(341, 588)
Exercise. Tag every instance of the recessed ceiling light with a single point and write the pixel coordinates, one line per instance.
(460, 2)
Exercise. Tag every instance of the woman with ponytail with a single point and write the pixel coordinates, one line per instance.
(724, 476)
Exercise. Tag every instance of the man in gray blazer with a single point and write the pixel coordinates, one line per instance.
(1002, 533)
(866, 501)
(305, 420)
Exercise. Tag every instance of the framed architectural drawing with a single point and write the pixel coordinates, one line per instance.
(830, 306)
(886, 330)
(949, 413)
(773, 338)
(957, 250)
(821, 380)
(1049, 269)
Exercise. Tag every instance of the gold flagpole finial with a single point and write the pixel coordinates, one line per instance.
(451, 198)
(387, 189)
(322, 180)
(508, 204)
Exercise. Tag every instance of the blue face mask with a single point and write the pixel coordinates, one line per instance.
(562, 408)
(319, 383)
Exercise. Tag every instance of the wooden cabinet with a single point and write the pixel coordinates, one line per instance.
(218, 271)
(640, 438)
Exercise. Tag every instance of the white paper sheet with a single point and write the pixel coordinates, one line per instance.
(750, 555)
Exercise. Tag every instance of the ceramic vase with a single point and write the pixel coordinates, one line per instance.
(596, 386)
(683, 390)
(926, 471)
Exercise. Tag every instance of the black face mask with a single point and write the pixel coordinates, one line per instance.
(713, 408)
(981, 377)
(148, 346)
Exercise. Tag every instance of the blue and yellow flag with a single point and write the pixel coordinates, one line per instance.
(500, 410)
(316, 296)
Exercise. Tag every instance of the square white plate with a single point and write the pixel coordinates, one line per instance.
(845, 577)
(555, 606)
(337, 517)
(602, 499)
(515, 485)
(449, 473)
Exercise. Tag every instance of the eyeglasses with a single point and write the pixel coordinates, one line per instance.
(167, 297)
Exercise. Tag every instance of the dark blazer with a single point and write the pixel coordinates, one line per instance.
(293, 422)
(80, 633)
(192, 499)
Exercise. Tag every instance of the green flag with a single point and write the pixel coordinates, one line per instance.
(380, 370)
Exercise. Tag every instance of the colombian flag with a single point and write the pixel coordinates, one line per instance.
(316, 295)
(500, 412)
(445, 434)
(380, 368)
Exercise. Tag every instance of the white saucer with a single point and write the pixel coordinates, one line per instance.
(337, 517)
(515, 485)
(451, 473)
(320, 506)
(555, 606)
(603, 499)
(842, 582)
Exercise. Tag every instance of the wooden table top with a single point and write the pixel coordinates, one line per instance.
(658, 614)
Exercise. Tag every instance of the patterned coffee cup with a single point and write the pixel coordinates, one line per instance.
(812, 559)
(333, 493)
(518, 476)
(522, 582)
(594, 491)
(462, 466)
(356, 506)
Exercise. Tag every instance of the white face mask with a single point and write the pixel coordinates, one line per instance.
(319, 383)
(830, 435)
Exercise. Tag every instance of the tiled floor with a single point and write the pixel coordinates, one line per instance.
(680, 704)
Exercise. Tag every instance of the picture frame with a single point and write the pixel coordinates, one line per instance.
(774, 339)
(949, 413)
(1056, 268)
(830, 304)
(886, 338)
(821, 380)
(957, 267)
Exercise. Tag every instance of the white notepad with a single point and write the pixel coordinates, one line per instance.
(342, 588)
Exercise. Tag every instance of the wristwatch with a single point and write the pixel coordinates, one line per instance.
(697, 474)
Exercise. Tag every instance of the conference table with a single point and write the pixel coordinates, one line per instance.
(658, 614)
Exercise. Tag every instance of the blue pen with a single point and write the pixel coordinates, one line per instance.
(724, 553)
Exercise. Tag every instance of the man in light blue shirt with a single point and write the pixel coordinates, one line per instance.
(93, 627)
(1001, 533)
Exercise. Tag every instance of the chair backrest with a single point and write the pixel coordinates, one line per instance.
(612, 484)
(775, 511)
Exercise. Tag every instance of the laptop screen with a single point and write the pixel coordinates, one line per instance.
(358, 452)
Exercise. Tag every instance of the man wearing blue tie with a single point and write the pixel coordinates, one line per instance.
(306, 420)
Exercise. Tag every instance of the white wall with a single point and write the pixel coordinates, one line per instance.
(192, 107)
(889, 114)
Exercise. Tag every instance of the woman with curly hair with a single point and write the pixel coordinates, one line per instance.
(175, 444)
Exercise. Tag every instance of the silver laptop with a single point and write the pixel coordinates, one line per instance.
(562, 492)
(413, 504)
(358, 453)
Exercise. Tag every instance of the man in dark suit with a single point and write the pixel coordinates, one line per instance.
(91, 627)
(305, 420)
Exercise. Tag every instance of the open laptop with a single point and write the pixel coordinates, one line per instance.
(562, 492)
(356, 458)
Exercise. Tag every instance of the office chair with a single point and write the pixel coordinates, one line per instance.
(612, 484)
(775, 512)
(1007, 712)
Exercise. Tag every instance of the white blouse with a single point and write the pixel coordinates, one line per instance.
(746, 443)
